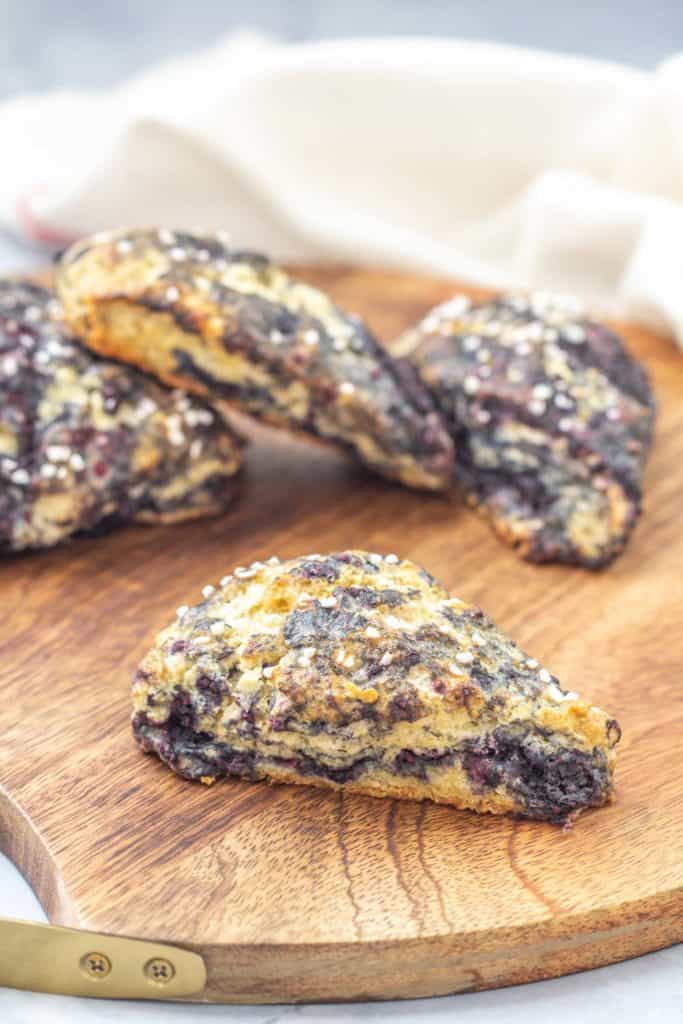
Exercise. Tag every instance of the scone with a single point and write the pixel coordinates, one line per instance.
(87, 443)
(360, 672)
(552, 419)
(234, 328)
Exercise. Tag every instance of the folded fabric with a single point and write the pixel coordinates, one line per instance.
(501, 166)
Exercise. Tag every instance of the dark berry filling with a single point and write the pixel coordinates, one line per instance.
(547, 781)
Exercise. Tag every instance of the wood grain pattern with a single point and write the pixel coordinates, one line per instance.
(296, 894)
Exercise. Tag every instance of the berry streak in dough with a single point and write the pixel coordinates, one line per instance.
(234, 328)
(552, 420)
(86, 443)
(359, 671)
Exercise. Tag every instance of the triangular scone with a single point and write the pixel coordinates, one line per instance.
(552, 419)
(86, 443)
(360, 671)
(234, 328)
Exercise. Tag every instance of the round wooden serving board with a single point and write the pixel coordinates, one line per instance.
(296, 894)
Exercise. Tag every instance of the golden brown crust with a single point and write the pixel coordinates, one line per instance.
(234, 328)
(86, 443)
(552, 418)
(359, 670)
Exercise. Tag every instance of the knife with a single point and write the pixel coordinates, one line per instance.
(68, 961)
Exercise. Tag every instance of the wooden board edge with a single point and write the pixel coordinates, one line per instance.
(429, 966)
(439, 966)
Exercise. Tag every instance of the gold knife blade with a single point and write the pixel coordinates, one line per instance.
(68, 961)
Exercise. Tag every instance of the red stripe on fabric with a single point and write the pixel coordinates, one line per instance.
(36, 230)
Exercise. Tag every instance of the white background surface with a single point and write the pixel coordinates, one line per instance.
(74, 42)
(80, 43)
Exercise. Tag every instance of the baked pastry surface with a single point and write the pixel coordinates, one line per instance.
(552, 420)
(360, 671)
(233, 327)
(86, 443)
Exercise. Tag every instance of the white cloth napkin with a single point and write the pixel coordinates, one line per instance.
(498, 165)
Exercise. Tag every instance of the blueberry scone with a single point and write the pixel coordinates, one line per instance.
(87, 443)
(234, 328)
(552, 420)
(361, 672)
